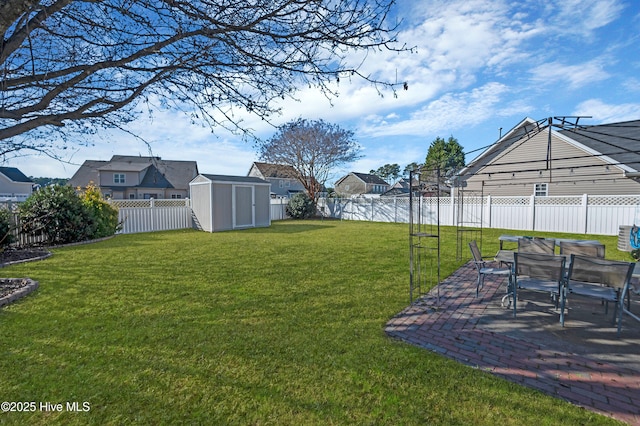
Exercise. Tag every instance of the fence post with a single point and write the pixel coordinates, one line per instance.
(585, 211)
(372, 207)
(153, 221)
(488, 210)
(532, 209)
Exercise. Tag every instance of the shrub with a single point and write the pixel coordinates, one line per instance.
(105, 216)
(6, 237)
(301, 206)
(59, 214)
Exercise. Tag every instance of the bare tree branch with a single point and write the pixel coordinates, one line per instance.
(313, 148)
(90, 62)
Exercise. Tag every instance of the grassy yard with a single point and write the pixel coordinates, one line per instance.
(281, 325)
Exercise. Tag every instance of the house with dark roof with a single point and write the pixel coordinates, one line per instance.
(360, 184)
(14, 185)
(132, 177)
(545, 160)
(283, 179)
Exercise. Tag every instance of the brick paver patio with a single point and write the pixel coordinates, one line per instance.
(456, 327)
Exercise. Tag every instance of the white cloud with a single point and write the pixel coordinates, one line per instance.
(577, 76)
(582, 17)
(606, 113)
(449, 112)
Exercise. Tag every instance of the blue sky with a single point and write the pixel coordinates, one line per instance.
(478, 66)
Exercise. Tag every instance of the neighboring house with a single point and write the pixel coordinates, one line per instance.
(398, 189)
(14, 185)
(427, 189)
(596, 160)
(131, 177)
(283, 179)
(360, 184)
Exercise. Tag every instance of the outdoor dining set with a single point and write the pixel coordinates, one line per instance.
(579, 268)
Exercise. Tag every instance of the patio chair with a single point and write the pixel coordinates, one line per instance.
(602, 279)
(483, 269)
(538, 272)
(536, 245)
(594, 250)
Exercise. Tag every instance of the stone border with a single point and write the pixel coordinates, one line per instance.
(31, 259)
(21, 292)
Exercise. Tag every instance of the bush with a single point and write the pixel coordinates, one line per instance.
(6, 237)
(105, 216)
(301, 206)
(59, 214)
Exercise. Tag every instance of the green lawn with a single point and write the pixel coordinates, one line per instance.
(280, 325)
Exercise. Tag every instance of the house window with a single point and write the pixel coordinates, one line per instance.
(541, 190)
(281, 184)
(287, 183)
(118, 178)
(132, 196)
(176, 196)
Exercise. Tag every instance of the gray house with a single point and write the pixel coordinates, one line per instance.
(283, 179)
(14, 185)
(596, 160)
(360, 184)
(222, 203)
(133, 177)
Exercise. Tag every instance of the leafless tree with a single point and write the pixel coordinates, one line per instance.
(312, 148)
(76, 66)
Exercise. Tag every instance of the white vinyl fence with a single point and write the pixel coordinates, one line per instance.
(585, 214)
(279, 208)
(153, 215)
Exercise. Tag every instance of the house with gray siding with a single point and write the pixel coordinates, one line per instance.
(134, 177)
(360, 184)
(283, 179)
(529, 160)
(14, 185)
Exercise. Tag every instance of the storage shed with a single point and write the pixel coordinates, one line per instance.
(222, 203)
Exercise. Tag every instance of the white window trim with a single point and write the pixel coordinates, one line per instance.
(541, 190)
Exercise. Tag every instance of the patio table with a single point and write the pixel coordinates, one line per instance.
(514, 239)
(507, 257)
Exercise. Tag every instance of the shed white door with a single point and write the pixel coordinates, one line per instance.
(244, 214)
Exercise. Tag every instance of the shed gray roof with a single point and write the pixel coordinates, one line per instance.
(15, 174)
(234, 179)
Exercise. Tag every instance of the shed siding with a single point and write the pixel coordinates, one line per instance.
(572, 171)
(263, 206)
(222, 209)
(201, 205)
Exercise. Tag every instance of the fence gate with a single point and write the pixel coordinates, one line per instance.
(424, 232)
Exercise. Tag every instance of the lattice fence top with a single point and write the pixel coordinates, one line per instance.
(617, 200)
(123, 204)
(559, 201)
(510, 201)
